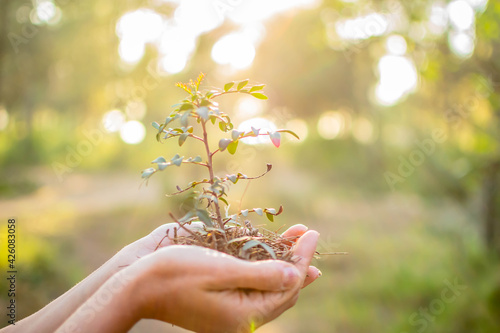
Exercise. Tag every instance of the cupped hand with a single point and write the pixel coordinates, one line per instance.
(208, 291)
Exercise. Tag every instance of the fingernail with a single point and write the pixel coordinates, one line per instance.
(290, 277)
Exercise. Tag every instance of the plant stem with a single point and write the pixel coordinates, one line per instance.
(211, 171)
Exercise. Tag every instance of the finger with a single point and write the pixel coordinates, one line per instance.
(294, 232)
(266, 275)
(312, 274)
(304, 250)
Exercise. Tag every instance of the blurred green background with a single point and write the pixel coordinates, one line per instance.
(397, 104)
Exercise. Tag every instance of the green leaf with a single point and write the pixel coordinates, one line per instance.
(223, 143)
(203, 112)
(275, 138)
(182, 138)
(270, 217)
(228, 86)
(186, 106)
(223, 200)
(148, 172)
(156, 125)
(213, 120)
(235, 134)
(258, 211)
(271, 211)
(231, 148)
(242, 84)
(259, 95)
(289, 132)
(197, 159)
(258, 87)
(204, 217)
(160, 159)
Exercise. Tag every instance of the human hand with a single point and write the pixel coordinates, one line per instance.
(208, 291)
(156, 239)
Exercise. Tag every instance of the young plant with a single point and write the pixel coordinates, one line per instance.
(224, 232)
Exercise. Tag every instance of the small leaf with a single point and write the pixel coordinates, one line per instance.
(231, 148)
(156, 125)
(203, 112)
(148, 172)
(186, 106)
(258, 211)
(182, 138)
(255, 131)
(204, 217)
(242, 84)
(235, 134)
(269, 167)
(213, 120)
(233, 178)
(178, 161)
(185, 118)
(160, 159)
(228, 86)
(259, 95)
(258, 87)
(223, 200)
(222, 126)
(197, 159)
(290, 132)
(175, 157)
(275, 138)
(271, 211)
(270, 217)
(223, 143)
(244, 212)
(163, 166)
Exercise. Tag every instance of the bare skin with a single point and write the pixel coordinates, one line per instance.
(192, 287)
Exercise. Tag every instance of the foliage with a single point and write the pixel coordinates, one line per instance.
(201, 108)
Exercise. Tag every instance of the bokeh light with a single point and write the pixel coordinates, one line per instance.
(235, 50)
(298, 126)
(4, 118)
(265, 126)
(113, 120)
(461, 14)
(331, 124)
(398, 76)
(132, 132)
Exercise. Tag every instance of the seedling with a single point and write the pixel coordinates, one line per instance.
(230, 233)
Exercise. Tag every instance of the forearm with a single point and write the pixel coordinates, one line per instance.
(110, 309)
(54, 314)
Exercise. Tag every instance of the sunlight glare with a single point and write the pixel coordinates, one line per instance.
(265, 126)
(363, 131)
(248, 106)
(132, 132)
(461, 44)
(331, 124)
(234, 49)
(396, 45)
(131, 50)
(461, 14)
(362, 27)
(113, 120)
(398, 76)
(298, 126)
